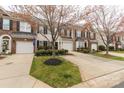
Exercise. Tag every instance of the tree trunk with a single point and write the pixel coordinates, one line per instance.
(53, 49)
(107, 50)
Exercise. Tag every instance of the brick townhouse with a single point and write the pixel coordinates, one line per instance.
(18, 36)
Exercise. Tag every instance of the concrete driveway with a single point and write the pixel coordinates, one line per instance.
(14, 72)
(97, 71)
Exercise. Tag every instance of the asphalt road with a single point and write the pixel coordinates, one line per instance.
(121, 85)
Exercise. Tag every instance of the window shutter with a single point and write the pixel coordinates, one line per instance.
(18, 26)
(94, 35)
(11, 25)
(1, 23)
(46, 30)
(32, 29)
(37, 43)
(90, 36)
(38, 28)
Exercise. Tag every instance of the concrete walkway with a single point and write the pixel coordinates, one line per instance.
(97, 71)
(14, 72)
(117, 54)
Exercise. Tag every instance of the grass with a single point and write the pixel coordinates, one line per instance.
(64, 75)
(118, 51)
(109, 56)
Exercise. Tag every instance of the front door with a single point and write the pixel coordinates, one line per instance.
(5, 45)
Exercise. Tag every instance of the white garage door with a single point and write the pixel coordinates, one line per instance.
(24, 47)
(68, 45)
(94, 46)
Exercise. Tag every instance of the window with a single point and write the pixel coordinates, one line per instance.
(69, 33)
(62, 32)
(78, 33)
(41, 43)
(86, 34)
(91, 35)
(45, 43)
(25, 27)
(41, 29)
(45, 29)
(6, 24)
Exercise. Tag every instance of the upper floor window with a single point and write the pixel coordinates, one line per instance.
(68, 33)
(6, 24)
(78, 33)
(62, 32)
(45, 29)
(85, 34)
(91, 35)
(25, 27)
(41, 29)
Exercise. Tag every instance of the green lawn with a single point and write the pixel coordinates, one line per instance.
(109, 56)
(118, 51)
(60, 76)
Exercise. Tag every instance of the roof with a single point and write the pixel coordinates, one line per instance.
(120, 33)
(23, 35)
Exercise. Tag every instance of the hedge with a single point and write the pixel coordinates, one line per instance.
(43, 52)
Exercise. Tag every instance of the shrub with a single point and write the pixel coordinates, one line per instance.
(86, 50)
(43, 52)
(111, 48)
(44, 47)
(101, 48)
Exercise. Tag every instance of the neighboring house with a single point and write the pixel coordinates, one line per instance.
(71, 38)
(16, 35)
(118, 40)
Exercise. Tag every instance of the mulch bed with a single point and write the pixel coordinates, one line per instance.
(1, 58)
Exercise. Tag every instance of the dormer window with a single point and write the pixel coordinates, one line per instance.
(25, 27)
(6, 24)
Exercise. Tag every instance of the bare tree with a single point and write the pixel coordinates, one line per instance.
(53, 16)
(105, 21)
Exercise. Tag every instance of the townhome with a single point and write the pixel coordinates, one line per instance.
(118, 40)
(71, 38)
(16, 35)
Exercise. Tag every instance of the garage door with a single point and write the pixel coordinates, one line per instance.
(68, 45)
(24, 47)
(94, 46)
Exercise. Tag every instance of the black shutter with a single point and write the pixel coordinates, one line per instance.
(37, 43)
(87, 34)
(1, 23)
(90, 36)
(43, 29)
(70, 33)
(38, 28)
(32, 29)
(94, 35)
(46, 30)
(18, 26)
(11, 25)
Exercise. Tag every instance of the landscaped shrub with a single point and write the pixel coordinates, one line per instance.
(101, 48)
(111, 48)
(43, 52)
(86, 50)
(44, 47)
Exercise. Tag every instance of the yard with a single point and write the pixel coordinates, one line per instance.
(118, 51)
(109, 56)
(60, 76)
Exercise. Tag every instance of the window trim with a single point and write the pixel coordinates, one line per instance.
(8, 24)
